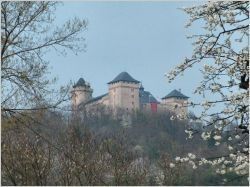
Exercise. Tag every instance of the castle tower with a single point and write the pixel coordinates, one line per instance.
(175, 101)
(81, 93)
(124, 92)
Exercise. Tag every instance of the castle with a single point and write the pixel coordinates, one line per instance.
(126, 93)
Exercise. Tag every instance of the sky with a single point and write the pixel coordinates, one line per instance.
(146, 39)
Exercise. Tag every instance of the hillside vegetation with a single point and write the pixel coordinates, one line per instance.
(99, 149)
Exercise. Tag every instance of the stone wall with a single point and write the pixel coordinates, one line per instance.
(124, 95)
(174, 104)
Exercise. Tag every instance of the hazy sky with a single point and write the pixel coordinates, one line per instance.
(146, 39)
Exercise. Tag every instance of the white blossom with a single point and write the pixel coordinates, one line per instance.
(222, 70)
(190, 133)
(223, 172)
(230, 148)
(233, 156)
(217, 143)
(206, 135)
(217, 137)
(171, 165)
(191, 156)
(237, 137)
(245, 149)
(177, 158)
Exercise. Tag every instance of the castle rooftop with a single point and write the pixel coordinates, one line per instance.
(175, 94)
(80, 82)
(146, 97)
(124, 77)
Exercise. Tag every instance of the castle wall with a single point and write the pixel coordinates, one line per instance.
(95, 106)
(103, 101)
(174, 104)
(124, 95)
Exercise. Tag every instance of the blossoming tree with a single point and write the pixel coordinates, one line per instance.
(222, 49)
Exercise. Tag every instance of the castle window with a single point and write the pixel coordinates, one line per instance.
(132, 89)
(133, 103)
(132, 96)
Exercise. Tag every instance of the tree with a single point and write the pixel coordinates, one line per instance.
(27, 33)
(223, 50)
(77, 152)
(26, 159)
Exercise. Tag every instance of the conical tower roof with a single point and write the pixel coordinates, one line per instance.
(175, 94)
(80, 82)
(124, 77)
(141, 88)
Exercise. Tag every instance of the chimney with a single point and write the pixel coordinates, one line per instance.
(179, 90)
